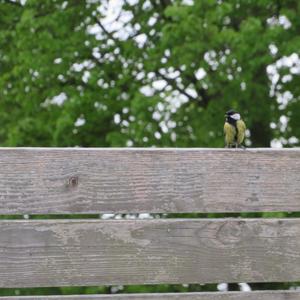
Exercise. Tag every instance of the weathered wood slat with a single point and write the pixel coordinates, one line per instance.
(42, 181)
(260, 295)
(95, 252)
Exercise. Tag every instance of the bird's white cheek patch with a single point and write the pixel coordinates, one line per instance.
(236, 117)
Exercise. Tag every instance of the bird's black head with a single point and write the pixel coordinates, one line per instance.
(230, 113)
(232, 116)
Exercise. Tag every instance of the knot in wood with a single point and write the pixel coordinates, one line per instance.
(231, 232)
(73, 181)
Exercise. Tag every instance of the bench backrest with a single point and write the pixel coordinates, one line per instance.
(90, 252)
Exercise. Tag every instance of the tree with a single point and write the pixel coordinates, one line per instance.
(159, 72)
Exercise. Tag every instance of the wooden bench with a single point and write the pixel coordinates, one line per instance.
(92, 252)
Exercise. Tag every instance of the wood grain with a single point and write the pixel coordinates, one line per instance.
(94, 252)
(260, 295)
(61, 181)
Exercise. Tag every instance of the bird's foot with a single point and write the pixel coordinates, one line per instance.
(242, 147)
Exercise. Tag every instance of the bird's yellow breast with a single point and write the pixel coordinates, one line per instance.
(231, 135)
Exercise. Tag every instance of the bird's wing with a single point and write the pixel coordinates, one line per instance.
(241, 126)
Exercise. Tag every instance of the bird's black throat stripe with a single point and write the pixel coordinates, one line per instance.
(233, 123)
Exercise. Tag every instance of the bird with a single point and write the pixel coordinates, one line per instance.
(234, 129)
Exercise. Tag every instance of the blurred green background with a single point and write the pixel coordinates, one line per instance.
(148, 73)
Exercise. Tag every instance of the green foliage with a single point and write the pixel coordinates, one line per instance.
(66, 48)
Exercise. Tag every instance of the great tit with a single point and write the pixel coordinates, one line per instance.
(234, 129)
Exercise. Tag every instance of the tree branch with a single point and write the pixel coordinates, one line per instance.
(165, 3)
(174, 85)
(109, 34)
(18, 4)
(154, 4)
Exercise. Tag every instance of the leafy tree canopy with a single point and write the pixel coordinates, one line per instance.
(144, 73)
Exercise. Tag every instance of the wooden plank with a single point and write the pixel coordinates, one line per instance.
(49, 181)
(257, 295)
(95, 252)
